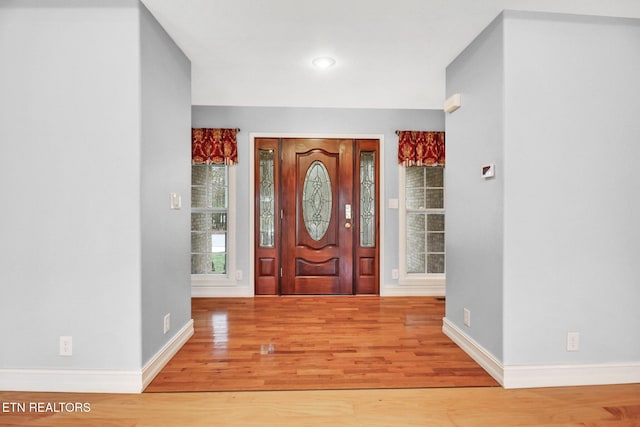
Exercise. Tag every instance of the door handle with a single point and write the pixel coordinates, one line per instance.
(347, 225)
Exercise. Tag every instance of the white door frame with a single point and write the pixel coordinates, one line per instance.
(252, 145)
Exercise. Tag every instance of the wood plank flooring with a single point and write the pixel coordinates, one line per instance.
(316, 343)
(598, 406)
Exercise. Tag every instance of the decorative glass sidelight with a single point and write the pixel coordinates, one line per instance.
(267, 198)
(367, 199)
(317, 200)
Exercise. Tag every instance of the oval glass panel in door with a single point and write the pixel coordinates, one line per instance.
(317, 200)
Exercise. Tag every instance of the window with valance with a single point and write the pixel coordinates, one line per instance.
(421, 148)
(422, 155)
(214, 146)
(213, 151)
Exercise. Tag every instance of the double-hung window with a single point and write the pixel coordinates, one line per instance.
(209, 219)
(423, 214)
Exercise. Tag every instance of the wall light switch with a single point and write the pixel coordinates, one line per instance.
(176, 200)
(166, 322)
(393, 204)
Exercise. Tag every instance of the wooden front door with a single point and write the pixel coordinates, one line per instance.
(313, 235)
(317, 193)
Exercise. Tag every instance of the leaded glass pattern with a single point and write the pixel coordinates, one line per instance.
(317, 200)
(267, 198)
(425, 242)
(367, 199)
(209, 204)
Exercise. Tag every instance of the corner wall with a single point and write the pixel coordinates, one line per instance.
(474, 226)
(572, 195)
(95, 133)
(564, 99)
(70, 168)
(166, 168)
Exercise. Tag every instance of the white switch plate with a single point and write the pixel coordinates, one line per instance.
(176, 200)
(167, 322)
(393, 204)
(467, 317)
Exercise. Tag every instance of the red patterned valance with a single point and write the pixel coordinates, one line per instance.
(217, 146)
(419, 148)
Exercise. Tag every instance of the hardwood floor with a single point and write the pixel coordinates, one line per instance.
(601, 406)
(315, 343)
(309, 356)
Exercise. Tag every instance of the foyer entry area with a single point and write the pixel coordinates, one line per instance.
(316, 343)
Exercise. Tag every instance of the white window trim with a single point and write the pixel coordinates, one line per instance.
(435, 281)
(228, 279)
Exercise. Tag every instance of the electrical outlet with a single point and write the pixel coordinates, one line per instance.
(167, 322)
(238, 275)
(66, 346)
(573, 341)
(467, 317)
(394, 273)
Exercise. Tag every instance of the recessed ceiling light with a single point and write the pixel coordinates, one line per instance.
(323, 62)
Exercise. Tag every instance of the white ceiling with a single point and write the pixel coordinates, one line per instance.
(390, 53)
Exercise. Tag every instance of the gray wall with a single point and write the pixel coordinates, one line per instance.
(94, 135)
(474, 230)
(572, 193)
(563, 105)
(166, 168)
(322, 121)
(70, 173)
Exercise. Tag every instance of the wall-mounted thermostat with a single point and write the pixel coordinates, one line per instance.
(488, 171)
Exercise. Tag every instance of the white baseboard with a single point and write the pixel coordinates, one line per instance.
(478, 353)
(219, 291)
(425, 290)
(71, 380)
(200, 291)
(571, 375)
(162, 357)
(531, 376)
(93, 380)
